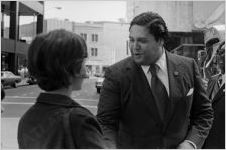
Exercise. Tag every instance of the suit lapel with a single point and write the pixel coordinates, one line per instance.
(141, 89)
(175, 79)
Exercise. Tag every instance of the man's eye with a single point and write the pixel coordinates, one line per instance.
(143, 41)
(131, 40)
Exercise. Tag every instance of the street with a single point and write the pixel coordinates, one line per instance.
(19, 100)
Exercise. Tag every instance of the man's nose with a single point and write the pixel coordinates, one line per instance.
(136, 45)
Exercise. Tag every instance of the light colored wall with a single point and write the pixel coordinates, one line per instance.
(208, 13)
(180, 15)
(53, 24)
(111, 43)
(90, 29)
(115, 37)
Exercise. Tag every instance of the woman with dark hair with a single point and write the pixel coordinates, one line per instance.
(56, 60)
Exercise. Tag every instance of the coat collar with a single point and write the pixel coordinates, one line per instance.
(175, 79)
(56, 99)
(174, 74)
(170, 59)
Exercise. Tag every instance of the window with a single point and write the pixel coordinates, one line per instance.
(84, 36)
(94, 51)
(94, 37)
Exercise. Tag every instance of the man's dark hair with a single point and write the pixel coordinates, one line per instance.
(154, 22)
(54, 57)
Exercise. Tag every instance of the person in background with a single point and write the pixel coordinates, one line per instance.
(216, 92)
(56, 60)
(153, 99)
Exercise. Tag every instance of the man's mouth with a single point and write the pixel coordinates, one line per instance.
(138, 54)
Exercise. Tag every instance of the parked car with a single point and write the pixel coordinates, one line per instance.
(98, 74)
(99, 84)
(8, 78)
(31, 80)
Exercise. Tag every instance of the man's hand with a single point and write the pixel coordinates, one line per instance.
(185, 145)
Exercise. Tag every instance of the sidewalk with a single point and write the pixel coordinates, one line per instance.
(9, 133)
(9, 128)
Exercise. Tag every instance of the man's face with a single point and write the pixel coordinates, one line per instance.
(144, 48)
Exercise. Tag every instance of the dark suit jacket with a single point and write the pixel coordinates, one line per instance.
(129, 113)
(43, 125)
(216, 137)
(213, 86)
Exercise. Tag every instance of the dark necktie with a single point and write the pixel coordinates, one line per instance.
(159, 91)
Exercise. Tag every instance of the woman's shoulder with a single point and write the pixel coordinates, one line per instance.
(81, 118)
(81, 113)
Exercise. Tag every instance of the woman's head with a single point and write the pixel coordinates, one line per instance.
(55, 58)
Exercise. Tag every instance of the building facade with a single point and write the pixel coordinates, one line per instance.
(13, 48)
(107, 42)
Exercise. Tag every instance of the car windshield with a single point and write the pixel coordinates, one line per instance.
(7, 74)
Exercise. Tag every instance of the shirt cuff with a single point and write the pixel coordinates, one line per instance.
(192, 143)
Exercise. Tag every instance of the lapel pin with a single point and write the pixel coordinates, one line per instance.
(176, 73)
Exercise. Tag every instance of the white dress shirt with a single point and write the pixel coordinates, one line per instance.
(162, 71)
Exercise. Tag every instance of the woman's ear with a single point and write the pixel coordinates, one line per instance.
(161, 42)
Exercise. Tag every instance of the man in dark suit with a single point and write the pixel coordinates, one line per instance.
(216, 92)
(153, 99)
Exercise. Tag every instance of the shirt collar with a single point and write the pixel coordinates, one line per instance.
(161, 62)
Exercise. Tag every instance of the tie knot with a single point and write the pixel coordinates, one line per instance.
(153, 69)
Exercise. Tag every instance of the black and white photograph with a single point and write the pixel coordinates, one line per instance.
(113, 74)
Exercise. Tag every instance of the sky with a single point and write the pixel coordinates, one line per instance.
(83, 10)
